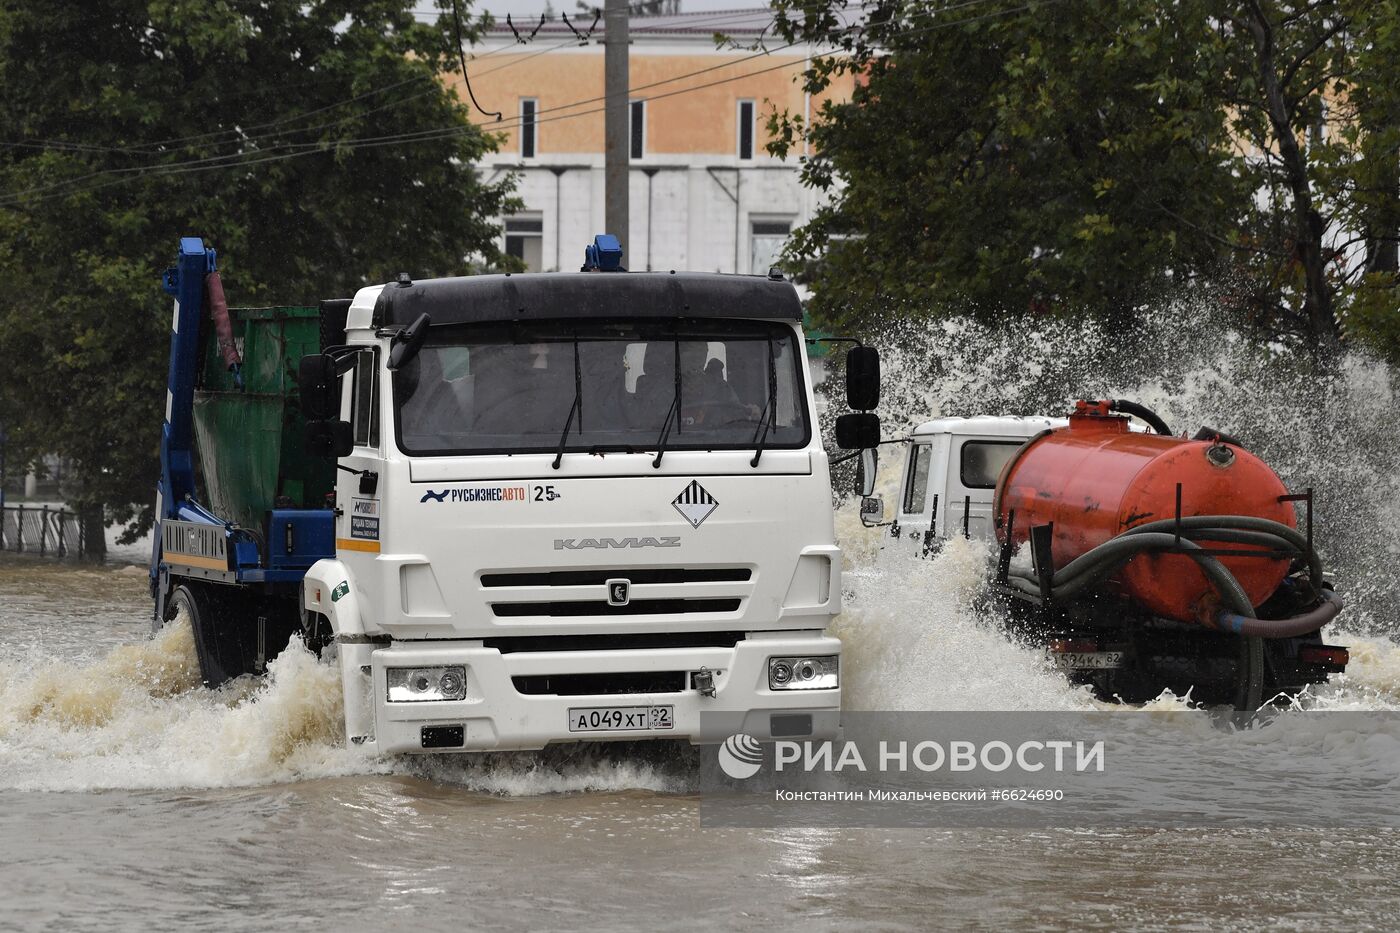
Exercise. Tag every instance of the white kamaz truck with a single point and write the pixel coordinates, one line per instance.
(566, 506)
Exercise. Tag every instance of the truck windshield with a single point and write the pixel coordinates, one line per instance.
(486, 388)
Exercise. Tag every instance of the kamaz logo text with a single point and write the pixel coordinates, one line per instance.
(574, 544)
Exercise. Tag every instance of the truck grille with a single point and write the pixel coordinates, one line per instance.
(599, 577)
(601, 607)
(512, 645)
(590, 684)
(583, 593)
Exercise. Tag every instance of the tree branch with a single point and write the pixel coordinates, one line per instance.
(1292, 70)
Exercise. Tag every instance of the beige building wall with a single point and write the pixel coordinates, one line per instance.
(695, 204)
(684, 115)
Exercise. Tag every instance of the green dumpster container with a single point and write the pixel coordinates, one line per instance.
(250, 441)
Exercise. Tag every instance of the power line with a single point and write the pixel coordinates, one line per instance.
(299, 149)
(244, 134)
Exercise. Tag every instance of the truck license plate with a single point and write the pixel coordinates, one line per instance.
(1094, 660)
(621, 718)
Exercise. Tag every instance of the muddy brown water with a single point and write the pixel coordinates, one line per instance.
(131, 799)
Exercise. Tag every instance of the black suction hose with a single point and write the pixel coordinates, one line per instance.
(1303, 624)
(1238, 616)
(1153, 419)
(1200, 526)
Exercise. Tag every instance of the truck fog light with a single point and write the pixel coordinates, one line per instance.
(423, 684)
(452, 683)
(820, 673)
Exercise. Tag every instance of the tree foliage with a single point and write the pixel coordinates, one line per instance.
(1085, 157)
(310, 141)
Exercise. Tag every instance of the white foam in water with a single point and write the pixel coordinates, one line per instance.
(138, 719)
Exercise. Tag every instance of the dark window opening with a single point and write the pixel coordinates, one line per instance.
(982, 461)
(365, 400)
(916, 489)
(487, 388)
(525, 240)
(638, 128)
(528, 108)
(746, 128)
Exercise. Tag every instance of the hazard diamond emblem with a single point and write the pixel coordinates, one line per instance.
(695, 504)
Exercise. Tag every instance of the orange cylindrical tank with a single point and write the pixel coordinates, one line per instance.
(1096, 479)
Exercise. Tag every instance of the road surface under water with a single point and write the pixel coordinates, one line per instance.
(131, 799)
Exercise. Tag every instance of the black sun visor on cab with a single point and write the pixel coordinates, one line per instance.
(477, 299)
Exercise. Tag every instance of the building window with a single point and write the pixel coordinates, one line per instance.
(525, 240)
(638, 126)
(529, 106)
(746, 129)
(767, 239)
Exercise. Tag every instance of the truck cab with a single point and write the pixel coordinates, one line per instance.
(950, 475)
(576, 506)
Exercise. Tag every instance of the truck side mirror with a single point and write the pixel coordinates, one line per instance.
(329, 438)
(858, 431)
(872, 509)
(318, 384)
(863, 378)
(867, 467)
(409, 341)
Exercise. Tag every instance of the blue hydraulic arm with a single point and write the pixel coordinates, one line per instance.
(186, 282)
(175, 493)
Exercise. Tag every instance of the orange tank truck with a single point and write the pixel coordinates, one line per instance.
(1096, 479)
(1160, 562)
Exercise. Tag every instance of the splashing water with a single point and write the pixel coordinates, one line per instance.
(139, 718)
(136, 718)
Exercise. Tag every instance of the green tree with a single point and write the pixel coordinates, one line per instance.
(1006, 157)
(311, 141)
(1085, 157)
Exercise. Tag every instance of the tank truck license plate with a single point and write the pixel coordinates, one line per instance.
(1095, 660)
(621, 718)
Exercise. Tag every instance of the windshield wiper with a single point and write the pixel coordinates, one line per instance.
(577, 406)
(671, 412)
(770, 410)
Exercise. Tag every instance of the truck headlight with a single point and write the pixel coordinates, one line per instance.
(804, 673)
(420, 684)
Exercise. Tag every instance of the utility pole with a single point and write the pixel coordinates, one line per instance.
(616, 130)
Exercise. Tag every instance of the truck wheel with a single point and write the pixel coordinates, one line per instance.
(316, 631)
(221, 636)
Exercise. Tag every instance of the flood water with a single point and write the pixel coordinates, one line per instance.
(131, 799)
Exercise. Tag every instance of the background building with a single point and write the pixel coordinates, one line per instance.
(704, 195)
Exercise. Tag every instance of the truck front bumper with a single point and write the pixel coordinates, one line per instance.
(496, 716)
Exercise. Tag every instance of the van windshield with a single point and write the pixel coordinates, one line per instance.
(486, 388)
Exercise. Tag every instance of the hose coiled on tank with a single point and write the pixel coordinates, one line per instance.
(1153, 419)
(1237, 616)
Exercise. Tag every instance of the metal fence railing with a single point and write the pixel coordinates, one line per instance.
(42, 530)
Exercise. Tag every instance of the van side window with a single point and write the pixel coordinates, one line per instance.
(916, 483)
(364, 412)
(982, 462)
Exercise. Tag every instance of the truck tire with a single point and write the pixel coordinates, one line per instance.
(226, 623)
(220, 635)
